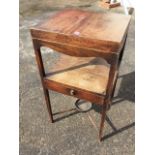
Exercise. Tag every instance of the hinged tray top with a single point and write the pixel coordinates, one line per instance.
(87, 29)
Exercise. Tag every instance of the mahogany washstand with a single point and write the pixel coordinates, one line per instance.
(92, 44)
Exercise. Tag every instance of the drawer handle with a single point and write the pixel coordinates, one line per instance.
(72, 92)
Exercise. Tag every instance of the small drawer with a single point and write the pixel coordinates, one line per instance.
(74, 92)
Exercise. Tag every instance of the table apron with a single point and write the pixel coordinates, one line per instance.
(79, 51)
(79, 93)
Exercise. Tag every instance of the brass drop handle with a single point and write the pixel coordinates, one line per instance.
(72, 92)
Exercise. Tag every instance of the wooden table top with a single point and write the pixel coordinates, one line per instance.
(101, 31)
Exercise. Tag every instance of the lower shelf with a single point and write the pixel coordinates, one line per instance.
(89, 74)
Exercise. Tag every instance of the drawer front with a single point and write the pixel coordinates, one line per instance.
(71, 91)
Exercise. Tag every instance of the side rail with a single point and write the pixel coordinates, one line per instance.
(77, 51)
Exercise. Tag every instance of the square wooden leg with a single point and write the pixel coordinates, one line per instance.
(48, 104)
(42, 74)
(103, 116)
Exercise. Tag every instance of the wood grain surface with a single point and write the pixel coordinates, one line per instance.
(89, 74)
(103, 31)
(93, 43)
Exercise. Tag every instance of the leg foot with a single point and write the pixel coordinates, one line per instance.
(103, 115)
(48, 104)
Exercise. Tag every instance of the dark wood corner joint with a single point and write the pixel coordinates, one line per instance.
(85, 40)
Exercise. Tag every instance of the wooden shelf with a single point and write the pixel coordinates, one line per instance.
(89, 74)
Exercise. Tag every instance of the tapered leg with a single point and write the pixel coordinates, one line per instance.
(48, 104)
(103, 115)
(113, 91)
(42, 74)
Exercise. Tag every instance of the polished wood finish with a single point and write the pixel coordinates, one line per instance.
(81, 73)
(42, 75)
(102, 31)
(77, 92)
(91, 46)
